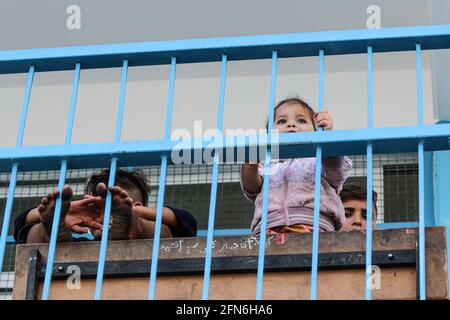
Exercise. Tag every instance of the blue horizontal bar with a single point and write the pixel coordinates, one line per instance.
(236, 48)
(397, 225)
(10, 239)
(302, 144)
(225, 232)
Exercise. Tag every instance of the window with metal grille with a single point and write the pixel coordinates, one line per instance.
(401, 188)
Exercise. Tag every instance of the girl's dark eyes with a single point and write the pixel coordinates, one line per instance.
(283, 121)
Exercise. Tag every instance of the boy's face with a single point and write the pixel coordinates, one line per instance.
(356, 215)
(292, 117)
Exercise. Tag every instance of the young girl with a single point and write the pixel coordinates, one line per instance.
(291, 190)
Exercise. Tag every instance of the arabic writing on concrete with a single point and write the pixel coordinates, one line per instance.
(224, 244)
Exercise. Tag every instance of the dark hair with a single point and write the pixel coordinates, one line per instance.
(295, 100)
(124, 179)
(357, 191)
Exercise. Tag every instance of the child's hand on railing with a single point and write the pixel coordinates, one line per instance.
(324, 120)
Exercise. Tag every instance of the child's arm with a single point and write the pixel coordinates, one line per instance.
(250, 179)
(145, 229)
(175, 222)
(336, 170)
(168, 216)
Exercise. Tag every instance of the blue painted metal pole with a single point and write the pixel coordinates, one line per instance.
(157, 235)
(26, 102)
(215, 176)
(240, 48)
(441, 198)
(422, 262)
(105, 232)
(111, 181)
(162, 184)
(73, 103)
(419, 85)
(62, 177)
(266, 181)
(13, 178)
(422, 266)
(7, 215)
(54, 234)
(317, 183)
(123, 86)
(149, 152)
(369, 175)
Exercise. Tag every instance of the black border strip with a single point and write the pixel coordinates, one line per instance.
(238, 264)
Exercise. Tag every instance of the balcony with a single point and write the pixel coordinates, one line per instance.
(317, 248)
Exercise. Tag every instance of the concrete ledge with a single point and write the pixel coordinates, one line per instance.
(396, 282)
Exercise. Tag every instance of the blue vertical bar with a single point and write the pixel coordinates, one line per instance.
(212, 201)
(26, 101)
(112, 177)
(369, 87)
(105, 232)
(123, 86)
(429, 173)
(157, 235)
(317, 183)
(7, 215)
(62, 177)
(162, 185)
(13, 179)
(369, 175)
(422, 266)
(419, 85)
(73, 103)
(54, 234)
(265, 204)
(441, 180)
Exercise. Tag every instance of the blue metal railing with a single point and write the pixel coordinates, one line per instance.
(56, 218)
(314, 144)
(215, 178)
(265, 187)
(162, 184)
(15, 165)
(112, 176)
(421, 177)
(369, 174)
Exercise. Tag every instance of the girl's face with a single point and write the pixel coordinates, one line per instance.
(292, 117)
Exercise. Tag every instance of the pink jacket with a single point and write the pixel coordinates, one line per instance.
(291, 193)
